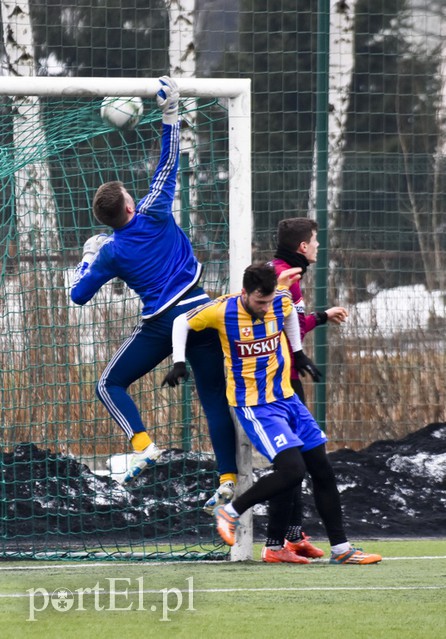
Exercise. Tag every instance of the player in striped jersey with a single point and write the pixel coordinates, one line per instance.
(152, 254)
(251, 338)
(252, 327)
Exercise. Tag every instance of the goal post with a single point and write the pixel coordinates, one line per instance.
(238, 94)
(34, 157)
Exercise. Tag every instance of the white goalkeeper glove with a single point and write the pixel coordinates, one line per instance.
(167, 99)
(92, 246)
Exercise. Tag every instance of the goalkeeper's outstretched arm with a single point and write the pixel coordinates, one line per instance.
(159, 200)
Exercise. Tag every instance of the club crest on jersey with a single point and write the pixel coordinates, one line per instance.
(258, 347)
(271, 327)
(246, 332)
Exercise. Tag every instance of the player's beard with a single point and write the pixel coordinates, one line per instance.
(257, 315)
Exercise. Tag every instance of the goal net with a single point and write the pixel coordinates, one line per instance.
(61, 453)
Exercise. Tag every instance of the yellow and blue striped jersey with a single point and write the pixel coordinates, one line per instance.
(256, 353)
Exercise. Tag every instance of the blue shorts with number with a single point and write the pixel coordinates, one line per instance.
(285, 423)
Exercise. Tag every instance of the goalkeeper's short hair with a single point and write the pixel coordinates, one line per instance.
(109, 204)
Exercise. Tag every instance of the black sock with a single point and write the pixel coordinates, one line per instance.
(273, 542)
(294, 533)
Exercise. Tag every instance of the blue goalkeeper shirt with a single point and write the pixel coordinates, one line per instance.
(151, 253)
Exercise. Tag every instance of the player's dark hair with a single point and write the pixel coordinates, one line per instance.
(261, 277)
(109, 204)
(295, 230)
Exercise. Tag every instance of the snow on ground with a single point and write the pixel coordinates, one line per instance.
(391, 488)
(396, 310)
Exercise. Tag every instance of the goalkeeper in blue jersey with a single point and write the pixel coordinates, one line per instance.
(152, 254)
(252, 327)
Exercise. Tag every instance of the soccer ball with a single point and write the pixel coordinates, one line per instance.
(122, 113)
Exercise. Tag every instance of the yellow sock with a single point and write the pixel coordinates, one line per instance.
(228, 477)
(140, 441)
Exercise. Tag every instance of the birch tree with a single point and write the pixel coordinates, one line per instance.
(35, 310)
(183, 64)
(438, 217)
(341, 64)
(35, 209)
(438, 21)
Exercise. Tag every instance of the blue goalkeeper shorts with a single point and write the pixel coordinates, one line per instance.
(150, 344)
(285, 423)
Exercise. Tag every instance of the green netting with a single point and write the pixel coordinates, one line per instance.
(383, 228)
(58, 497)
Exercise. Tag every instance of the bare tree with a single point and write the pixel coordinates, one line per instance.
(426, 213)
(35, 209)
(183, 64)
(38, 291)
(341, 64)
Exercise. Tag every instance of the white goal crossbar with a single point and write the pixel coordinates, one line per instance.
(238, 95)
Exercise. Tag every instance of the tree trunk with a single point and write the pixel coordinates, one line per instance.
(182, 62)
(342, 58)
(34, 203)
(341, 63)
(38, 289)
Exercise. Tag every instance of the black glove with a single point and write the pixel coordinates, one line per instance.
(175, 374)
(303, 364)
